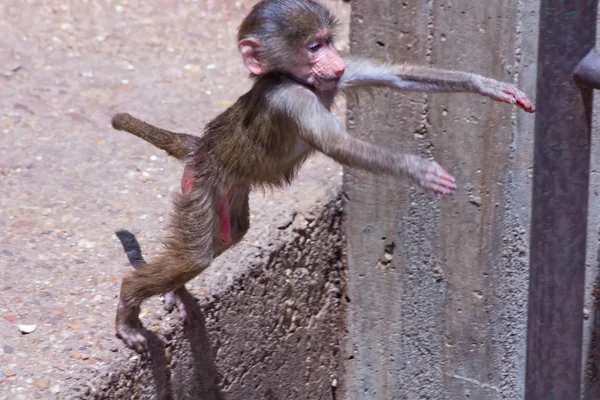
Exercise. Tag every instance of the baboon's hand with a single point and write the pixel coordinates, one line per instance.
(430, 176)
(505, 92)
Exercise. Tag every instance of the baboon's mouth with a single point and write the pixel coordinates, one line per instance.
(329, 82)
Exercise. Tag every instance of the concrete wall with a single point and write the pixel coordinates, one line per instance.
(273, 332)
(438, 288)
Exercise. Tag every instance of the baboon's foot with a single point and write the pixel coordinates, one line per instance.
(175, 299)
(130, 328)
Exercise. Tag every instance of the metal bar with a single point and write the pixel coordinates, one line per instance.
(560, 202)
(587, 71)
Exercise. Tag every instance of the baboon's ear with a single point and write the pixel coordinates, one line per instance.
(249, 47)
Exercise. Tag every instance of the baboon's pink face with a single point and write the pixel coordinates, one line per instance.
(319, 63)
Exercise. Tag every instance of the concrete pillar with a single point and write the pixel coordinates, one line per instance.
(438, 288)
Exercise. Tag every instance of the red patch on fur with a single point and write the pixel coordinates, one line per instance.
(187, 179)
(224, 214)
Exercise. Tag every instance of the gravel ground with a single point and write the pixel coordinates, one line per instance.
(68, 181)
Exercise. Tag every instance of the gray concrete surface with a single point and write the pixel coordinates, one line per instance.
(438, 288)
(272, 307)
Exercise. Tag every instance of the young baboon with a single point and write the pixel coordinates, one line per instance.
(262, 140)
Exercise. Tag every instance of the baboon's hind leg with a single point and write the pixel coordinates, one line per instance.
(134, 254)
(239, 224)
(188, 252)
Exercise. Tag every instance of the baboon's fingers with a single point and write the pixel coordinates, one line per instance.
(513, 95)
(439, 180)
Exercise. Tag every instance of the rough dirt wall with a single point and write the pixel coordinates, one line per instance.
(438, 287)
(274, 333)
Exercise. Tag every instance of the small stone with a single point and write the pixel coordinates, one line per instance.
(8, 349)
(55, 389)
(10, 316)
(9, 374)
(86, 244)
(7, 253)
(74, 326)
(42, 384)
(27, 328)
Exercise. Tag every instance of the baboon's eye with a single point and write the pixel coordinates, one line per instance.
(314, 46)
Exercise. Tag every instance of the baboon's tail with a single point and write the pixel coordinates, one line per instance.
(132, 247)
(178, 145)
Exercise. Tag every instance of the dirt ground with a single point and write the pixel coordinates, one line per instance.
(68, 181)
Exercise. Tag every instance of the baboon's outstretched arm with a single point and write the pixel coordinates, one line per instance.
(322, 130)
(365, 73)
